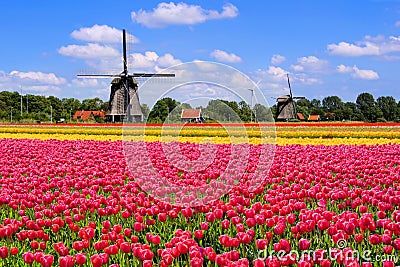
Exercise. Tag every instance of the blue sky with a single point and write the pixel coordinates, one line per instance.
(328, 47)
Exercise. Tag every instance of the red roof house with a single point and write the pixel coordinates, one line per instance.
(192, 115)
(314, 118)
(88, 114)
(301, 117)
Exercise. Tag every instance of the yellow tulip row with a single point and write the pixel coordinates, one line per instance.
(199, 139)
(281, 135)
(237, 131)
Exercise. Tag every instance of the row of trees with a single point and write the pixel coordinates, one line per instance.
(170, 110)
(366, 108)
(16, 107)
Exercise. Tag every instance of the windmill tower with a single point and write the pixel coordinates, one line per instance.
(286, 106)
(124, 102)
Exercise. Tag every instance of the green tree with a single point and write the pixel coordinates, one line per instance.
(92, 104)
(161, 109)
(223, 110)
(304, 107)
(262, 113)
(70, 106)
(316, 103)
(145, 110)
(245, 113)
(388, 106)
(366, 104)
(332, 103)
(56, 108)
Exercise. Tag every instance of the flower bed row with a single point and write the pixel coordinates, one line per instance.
(231, 131)
(76, 203)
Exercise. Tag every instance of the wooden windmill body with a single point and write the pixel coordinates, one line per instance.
(124, 104)
(286, 106)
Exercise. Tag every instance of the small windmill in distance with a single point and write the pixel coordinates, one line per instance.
(124, 102)
(286, 106)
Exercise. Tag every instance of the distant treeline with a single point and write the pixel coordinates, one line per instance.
(40, 108)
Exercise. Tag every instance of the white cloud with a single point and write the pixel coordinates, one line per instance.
(277, 72)
(357, 73)
(102, 34)
(277, 59)
(180, 14)
(344, 69)
(38, 82)
(365, 74)
(369, 46)
(346, 49)
(90, 50)
(168, 60)
(224, 56)
(37, 77)
(310, 64)
(152, 62)
(82, 83)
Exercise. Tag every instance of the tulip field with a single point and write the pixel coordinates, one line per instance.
(329, 196)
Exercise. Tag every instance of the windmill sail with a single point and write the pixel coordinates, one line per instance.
(124, 104)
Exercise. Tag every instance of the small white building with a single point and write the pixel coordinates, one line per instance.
(192, 115)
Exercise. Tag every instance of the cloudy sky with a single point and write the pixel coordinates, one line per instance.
(330, 47)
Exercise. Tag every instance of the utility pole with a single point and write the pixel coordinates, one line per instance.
(21, 101)
(51, 114)
(11, 115)
(251, 105)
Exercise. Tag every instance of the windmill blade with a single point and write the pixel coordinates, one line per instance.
(290, 88)
(124, 52)
(145, 75)
(99, 76)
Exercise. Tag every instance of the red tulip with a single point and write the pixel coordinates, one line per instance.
(375, 239)
(14, 251)
(198, 234)
(304, 244)
(261, 244)
(387, 263)
(358, 238)
(204, 225)
(325, 263)
(387, 249)
(3, 252)
(279, 229)
(28, 257)
(80, 258)
(97, 260)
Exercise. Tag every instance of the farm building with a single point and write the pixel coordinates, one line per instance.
(301, 117)
(192, 115)
(88, 114)
(314, 118)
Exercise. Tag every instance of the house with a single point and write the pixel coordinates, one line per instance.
(85, 115)
(301, 117)
(192, 115)
(314, 118)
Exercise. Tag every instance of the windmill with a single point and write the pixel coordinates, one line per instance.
(286, 107)
(124, 102)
